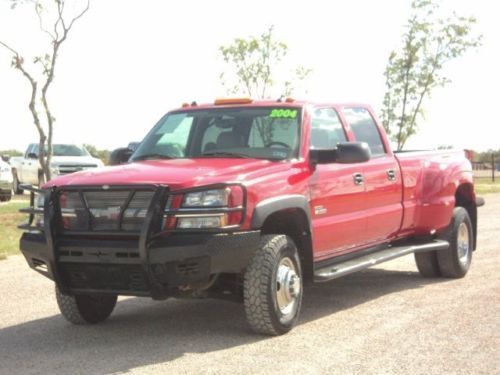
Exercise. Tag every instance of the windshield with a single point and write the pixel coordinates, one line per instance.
(65, 150)
(263, 133)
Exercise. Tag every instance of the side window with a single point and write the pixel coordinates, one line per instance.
(365, 129)
(326, 129)
(34, 149)
(28, 151)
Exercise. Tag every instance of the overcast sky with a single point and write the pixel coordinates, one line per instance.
(126, 63)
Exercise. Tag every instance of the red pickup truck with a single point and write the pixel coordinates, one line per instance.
(248, 200)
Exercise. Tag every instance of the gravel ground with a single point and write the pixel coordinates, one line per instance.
(384, 320)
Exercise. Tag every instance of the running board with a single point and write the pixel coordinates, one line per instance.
(350, 266)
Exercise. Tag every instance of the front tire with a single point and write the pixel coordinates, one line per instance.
(456, 260)
(15, 184)
(85, 309)
(273, 286)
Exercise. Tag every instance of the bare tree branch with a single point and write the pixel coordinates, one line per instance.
(38, 10)
(9, 48)
(79, 16)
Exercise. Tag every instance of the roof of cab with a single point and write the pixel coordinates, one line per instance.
(244, 102)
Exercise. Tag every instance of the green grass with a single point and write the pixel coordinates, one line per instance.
(487, 187)
(9, 234)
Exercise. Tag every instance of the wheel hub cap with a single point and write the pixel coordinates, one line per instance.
(288, 287)
(463, 243)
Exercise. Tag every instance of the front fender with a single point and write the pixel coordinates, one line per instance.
(272, 205)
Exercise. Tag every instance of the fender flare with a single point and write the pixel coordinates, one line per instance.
(269, 206)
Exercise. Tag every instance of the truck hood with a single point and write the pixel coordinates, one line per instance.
(176, 173)
(74, 160)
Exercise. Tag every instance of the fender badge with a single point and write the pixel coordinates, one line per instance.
(319, 210)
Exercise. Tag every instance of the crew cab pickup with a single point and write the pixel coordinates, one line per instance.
(67, 158)
(249, 200)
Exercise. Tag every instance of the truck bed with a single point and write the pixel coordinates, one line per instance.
(430, 180)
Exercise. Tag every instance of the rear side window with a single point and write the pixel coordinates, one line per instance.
(365, 130)
(326, 129)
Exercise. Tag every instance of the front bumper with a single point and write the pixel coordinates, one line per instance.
(151, 262)
(116, 266)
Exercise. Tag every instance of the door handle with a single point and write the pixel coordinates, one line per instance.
(358, 178)
(391, 175)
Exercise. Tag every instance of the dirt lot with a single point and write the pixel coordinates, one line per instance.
(384, 320)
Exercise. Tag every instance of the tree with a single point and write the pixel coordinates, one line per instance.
(11, 152)
(413, 71)
(49, 12)
(252, 64)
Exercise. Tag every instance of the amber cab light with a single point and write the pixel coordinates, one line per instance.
(225, 101)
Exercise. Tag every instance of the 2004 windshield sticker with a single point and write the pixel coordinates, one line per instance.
(283, 113)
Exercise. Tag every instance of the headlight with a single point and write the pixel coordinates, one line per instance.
(207, 198)
(207, 209)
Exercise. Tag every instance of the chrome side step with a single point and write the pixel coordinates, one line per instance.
(350, 266)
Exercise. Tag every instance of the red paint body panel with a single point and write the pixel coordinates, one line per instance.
(344, 217)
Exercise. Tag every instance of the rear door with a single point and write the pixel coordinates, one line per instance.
(337, 200)
(382, 178)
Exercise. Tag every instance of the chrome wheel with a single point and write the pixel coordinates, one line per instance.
(463, 243)
(288, 286)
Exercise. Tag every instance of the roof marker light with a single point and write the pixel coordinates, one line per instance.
(223, 101)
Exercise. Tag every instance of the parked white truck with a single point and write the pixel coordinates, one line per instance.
(5, 181)
(66, 158)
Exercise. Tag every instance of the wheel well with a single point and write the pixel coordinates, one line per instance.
(465, 197)
(294, 223)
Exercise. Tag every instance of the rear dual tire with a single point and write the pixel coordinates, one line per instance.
(85, 309)
(455, 261)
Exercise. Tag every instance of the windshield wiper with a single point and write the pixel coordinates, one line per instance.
(152, 156)
(225, 153)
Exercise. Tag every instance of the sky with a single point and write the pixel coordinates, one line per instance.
(126, 63)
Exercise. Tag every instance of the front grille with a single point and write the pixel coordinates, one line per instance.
(104, 210)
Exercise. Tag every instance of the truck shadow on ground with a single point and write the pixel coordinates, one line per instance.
(143, 332)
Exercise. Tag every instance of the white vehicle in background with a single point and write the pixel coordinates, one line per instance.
(5, 181)
(66, 159)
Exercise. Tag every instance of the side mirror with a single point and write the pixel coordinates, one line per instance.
(120, 156)
(344, 153)
(6, 158)
(32, 155)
